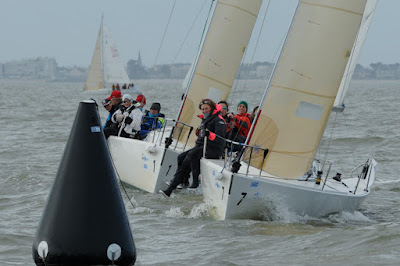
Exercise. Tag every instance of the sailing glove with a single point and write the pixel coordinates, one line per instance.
(128, 120)
(119, 117)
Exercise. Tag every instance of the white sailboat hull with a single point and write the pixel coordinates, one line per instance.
(142, 164)
(241, 196)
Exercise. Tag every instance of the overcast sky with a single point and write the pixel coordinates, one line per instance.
(67, 30)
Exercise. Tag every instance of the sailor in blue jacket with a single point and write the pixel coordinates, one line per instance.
(152, 119)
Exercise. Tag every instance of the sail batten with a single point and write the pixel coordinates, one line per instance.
(222, 50)
(304, 85)
(213, 79)
(331, 7)
(303, 92)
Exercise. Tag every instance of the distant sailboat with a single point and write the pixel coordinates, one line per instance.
(279, 168)
(106, 67)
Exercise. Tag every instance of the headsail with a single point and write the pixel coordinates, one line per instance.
(305, 81)
(351, 65)
(220, 55)
(95, 79)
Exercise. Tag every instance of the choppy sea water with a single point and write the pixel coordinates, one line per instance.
(36, 121)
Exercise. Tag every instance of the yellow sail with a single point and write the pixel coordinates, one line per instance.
(95, 77)
(219, 59)
(304, 85)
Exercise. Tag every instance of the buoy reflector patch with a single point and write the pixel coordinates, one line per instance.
(95, 129)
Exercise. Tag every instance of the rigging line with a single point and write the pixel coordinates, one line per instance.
(193, 67)
(165, 31)
(256, 45)
(187, 34)
(122, 183)
(329, 140)
(347, 130)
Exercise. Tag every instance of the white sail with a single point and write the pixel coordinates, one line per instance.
(113, 67)
(213, 74)
(351, 65)
(305, 81)
(107, 67)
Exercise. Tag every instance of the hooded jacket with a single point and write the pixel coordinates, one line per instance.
(216, 125)
(132, 121)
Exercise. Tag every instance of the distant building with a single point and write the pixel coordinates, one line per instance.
(135, 69)
(1, 71)
(39, 68)
(264, 71)
(179, 71)
(46, 69)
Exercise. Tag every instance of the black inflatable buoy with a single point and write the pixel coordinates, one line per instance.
(85, 221)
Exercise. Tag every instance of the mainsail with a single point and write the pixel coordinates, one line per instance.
(113, 67)
(305, 81)
(351, 65)
(222, 49)
(107, 67)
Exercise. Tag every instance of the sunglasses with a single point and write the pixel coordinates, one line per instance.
(127, 101)
(224, 108)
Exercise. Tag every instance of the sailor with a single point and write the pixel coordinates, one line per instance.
(153, 119)
(116, 99)
(109, 107)
(128, 119)
(142, 100)
(213, 128)
(239, 125)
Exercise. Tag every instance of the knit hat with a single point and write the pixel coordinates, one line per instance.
(106, 102)
(244, 103)
(141, 98)
(114, 94)
(156, 106)
(127, 96)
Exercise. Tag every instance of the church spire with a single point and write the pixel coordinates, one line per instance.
(139, 60)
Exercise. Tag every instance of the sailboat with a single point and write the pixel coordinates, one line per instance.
(147, 165)
(106, 67)
(278, 168)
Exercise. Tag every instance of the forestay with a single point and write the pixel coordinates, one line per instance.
(351, 65)
(305, 81)
(223, 46)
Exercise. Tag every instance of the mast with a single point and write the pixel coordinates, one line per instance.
(102, 51)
